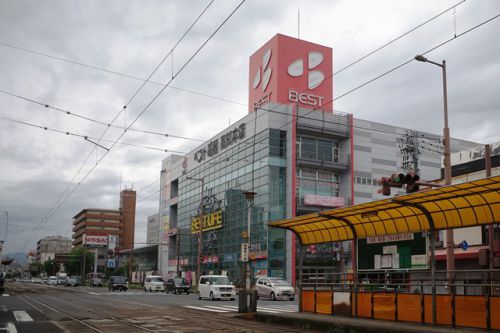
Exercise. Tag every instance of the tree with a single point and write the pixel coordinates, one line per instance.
(49, 266)
(35, 268)
(76, 259)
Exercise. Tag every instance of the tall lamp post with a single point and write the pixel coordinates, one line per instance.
(450, 243)
(5, 235)
(200, 228)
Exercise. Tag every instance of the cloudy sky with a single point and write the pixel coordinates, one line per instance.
(89, 58)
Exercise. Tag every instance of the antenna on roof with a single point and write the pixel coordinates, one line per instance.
(298, 23)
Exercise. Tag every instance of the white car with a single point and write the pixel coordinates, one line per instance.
(154, 283)
(274, 288)
(216, 287)
(52, 281)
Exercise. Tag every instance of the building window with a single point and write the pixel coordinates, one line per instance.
(318, 182)
(318, 149)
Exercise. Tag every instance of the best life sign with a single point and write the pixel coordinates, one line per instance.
(95, 241)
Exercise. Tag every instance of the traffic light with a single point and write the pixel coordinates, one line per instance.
(201, 259)
(411, 183)
(399, 180)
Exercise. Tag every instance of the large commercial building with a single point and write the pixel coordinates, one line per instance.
(153, 229)
(295, 153)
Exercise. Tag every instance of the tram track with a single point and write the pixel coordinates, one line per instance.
(84, 322)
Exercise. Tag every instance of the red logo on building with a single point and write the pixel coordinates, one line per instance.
(289, 70)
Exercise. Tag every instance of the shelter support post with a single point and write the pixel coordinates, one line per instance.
(300, 273)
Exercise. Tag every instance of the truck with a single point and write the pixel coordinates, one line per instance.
(61, 277)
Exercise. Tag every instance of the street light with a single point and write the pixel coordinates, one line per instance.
(200, 228)
(450, 244)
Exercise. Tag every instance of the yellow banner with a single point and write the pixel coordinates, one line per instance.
(210, 221)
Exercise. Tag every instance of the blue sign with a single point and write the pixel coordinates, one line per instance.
(111, 263)
(464, 245)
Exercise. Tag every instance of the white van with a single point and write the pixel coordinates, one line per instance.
(154, 283)
(52, 281)
(216, 287)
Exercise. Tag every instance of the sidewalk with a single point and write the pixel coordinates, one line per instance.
(339, 324)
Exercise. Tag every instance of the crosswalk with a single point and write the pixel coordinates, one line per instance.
(234, 308)
(19, 316)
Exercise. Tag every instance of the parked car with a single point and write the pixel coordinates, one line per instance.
(274, 288)
(95, 282)
(154, 283)
(117, 283)
(71, 281)
(61, 280)
(52, 281)
(216, 287)
(177, 285)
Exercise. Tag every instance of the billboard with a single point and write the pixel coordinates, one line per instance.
(95, 241)
(393, 252)
(291, 71)
(209, 222)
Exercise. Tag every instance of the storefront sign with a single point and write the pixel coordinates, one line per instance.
(217, 145)
(389, 238)
(210, 222)
(213, 259)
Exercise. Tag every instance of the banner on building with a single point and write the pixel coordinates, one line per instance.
(112, 242)
(322, 200)
(209, 222)
(95, 241)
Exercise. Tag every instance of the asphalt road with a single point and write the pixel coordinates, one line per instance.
(40, 308)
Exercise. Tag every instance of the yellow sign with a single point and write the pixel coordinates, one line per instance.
(210, 221)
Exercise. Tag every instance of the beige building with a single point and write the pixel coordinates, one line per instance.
(49, 246)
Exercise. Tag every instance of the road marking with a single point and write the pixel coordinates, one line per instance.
(4, 308)
(5, 295)
(92, 293)
(205, 309)
(22, 315)
(264, 308)
(234, 308)
(11, 328)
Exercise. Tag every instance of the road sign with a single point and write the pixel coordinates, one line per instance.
(244, 252)
(464, 245)
(111, 263)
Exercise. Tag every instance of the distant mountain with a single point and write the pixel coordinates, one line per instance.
(19, 257)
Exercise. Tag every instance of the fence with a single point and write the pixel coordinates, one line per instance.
(395, 296)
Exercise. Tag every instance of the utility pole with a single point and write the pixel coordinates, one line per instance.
(491, 227)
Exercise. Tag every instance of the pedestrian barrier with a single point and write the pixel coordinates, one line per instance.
(452, 310)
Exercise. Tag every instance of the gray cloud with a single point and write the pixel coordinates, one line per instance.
(132, 36)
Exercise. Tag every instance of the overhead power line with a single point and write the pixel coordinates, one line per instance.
(73, 114)
(62, 199)
(144, 110)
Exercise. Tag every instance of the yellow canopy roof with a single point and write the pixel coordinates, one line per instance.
(456, 206)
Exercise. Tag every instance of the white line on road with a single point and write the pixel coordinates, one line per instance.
(22, 316)
(4, 307)
(5, 295)
(259, 308)
(11, 328)
(205, 309)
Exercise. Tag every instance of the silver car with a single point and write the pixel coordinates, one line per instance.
(274, 288)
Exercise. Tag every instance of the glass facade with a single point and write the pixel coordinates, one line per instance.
(256, 164)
